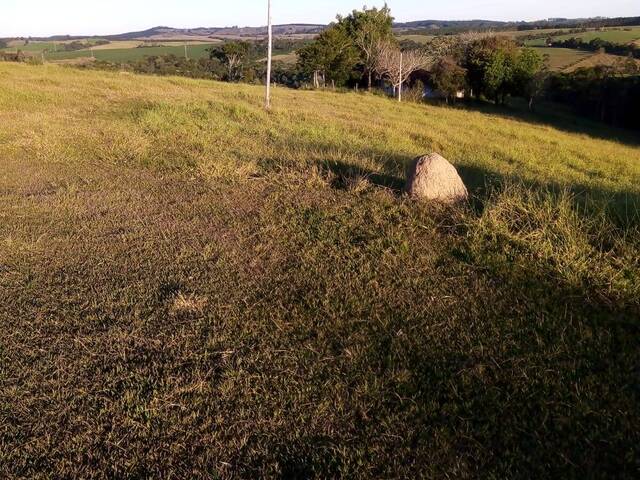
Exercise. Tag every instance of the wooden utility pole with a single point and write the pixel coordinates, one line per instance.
(186, 55)
(269, 55)
(400, 88)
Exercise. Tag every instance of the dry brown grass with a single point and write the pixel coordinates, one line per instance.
(188, 303)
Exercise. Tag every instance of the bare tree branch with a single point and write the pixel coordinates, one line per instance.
(396, 66)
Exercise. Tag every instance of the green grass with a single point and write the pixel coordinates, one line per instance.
(561, 58)
(39, 47)
(128, 52)
(132, 54)
(32, 47)
(192, 287)
(422, 39)
(622, 35)
(289, 58)
(524, 33)
(538, 42)
(567, 60)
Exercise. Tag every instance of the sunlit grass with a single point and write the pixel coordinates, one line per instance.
(209, 122)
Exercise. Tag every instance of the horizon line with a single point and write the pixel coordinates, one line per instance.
(317, 24)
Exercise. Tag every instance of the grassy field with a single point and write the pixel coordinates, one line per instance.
(569, 60)
(32, 47)
(622, 35)
(290, 58)
(39, 47)
(422, 39)
(192, 287)
(131, 54)
(524, 33)
(598, 59)
(117, 51)
(120, 45)
(562, 58)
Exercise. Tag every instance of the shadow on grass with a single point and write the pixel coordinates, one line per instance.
(344, 175)
(553, 115)
(509, 252)
(622, 207)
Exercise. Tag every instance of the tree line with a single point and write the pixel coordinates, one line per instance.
(607, 93)
(78, 45)
(360, 50)
(597, 44)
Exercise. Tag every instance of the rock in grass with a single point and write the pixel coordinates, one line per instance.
(432, 177)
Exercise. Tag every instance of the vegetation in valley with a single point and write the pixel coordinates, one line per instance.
(597, 44)
(620, 35)
(191, 286)
(604, 93)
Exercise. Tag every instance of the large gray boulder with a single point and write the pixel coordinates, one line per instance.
(432, 177)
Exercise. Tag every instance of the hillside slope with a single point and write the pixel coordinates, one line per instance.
(191, 287)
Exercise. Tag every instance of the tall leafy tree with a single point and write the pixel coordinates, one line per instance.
(490, 64)
(368, 28)
(528, 75)
(448, 77)
(233, 55)
(497, 67)
(331, 56)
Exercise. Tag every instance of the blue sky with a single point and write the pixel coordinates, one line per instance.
(81, 17)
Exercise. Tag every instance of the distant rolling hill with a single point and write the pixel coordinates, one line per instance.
(455, 26)
(170, 33)
(307, 30)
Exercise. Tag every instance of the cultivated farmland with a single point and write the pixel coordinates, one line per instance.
(622, 35)
(131, 54)
(117, 51)
(562, 58)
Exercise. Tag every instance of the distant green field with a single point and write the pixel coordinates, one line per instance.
(53, 51)
(289, 58)
(32, 47)
(561, 58)
(39, 47)
(127, 54)
(416, 38)
(524, 33)
(621, 35)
